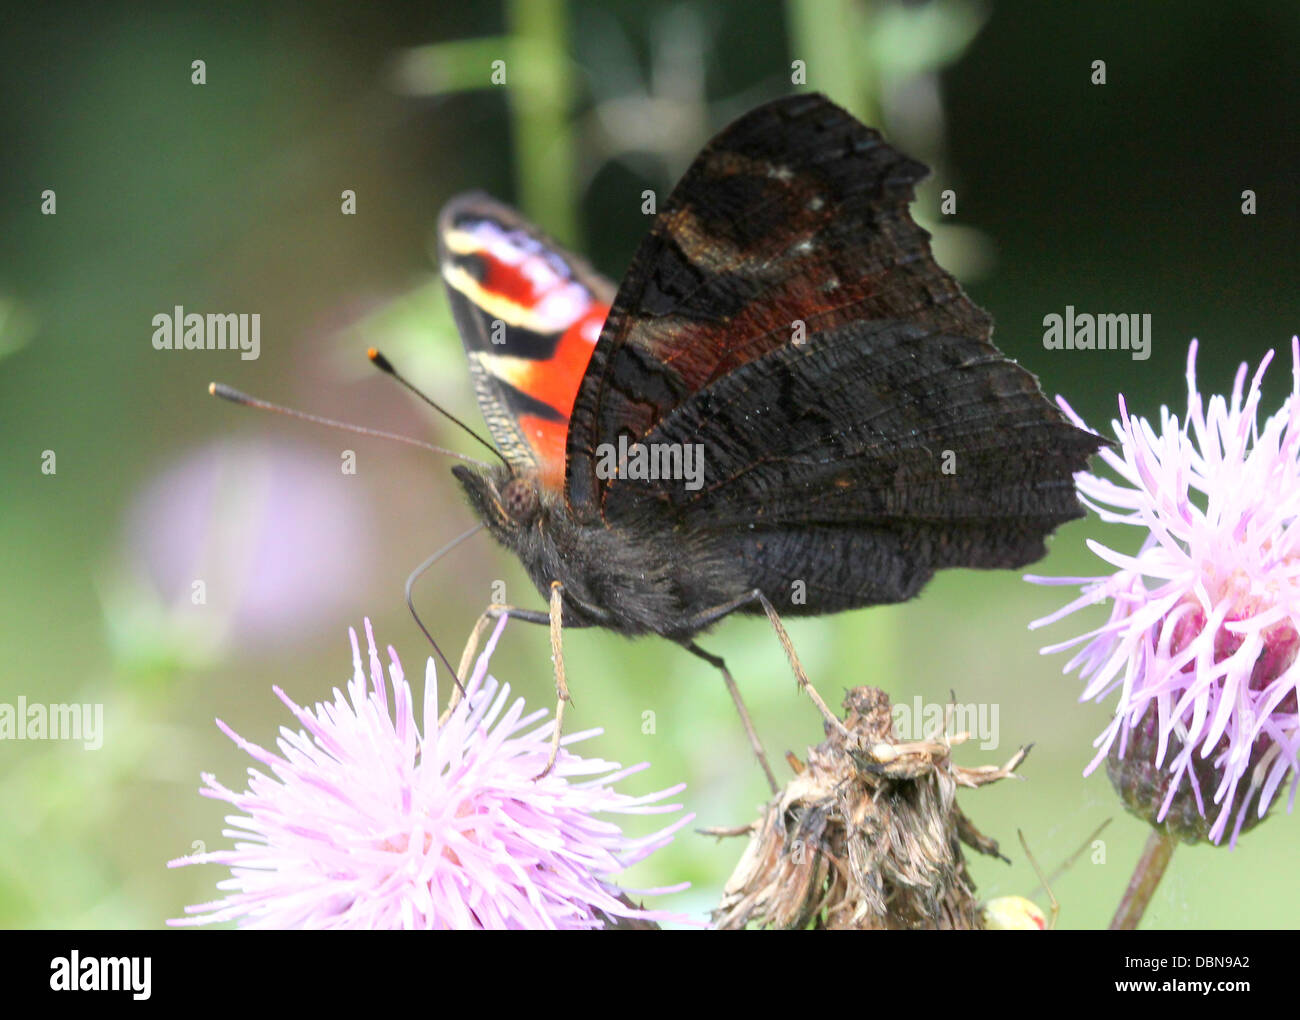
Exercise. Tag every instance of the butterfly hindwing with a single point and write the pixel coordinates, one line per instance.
(529, 313)
(887, 452)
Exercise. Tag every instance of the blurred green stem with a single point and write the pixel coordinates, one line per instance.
(827, 35)
(1146, 876)
(541, 98)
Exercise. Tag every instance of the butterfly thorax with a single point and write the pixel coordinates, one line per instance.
(635, 581)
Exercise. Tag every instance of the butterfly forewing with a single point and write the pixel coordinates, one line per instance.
(529, 314)
(794, 217)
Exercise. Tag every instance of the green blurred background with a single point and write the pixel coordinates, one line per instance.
(226, 197)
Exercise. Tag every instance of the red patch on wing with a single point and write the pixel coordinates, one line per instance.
(510, 281)
(554, 381)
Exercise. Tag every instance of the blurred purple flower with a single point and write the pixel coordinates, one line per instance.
(1202, 638)
(375, 823)
(260, 526)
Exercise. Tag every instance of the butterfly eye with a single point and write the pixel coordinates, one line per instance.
(519, 500)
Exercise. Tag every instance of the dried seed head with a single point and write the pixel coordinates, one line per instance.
(868, 835)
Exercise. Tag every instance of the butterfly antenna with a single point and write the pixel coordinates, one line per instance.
(410, 603)
(236, 397)
(386, 366)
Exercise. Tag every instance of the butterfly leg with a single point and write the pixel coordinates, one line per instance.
(489, 616)
(717, 662)
(562, 698)
(718, 612)
(551, 618)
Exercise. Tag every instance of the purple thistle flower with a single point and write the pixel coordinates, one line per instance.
(1205, 625)
(379, 820)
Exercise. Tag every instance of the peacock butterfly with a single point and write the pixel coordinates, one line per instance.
(786, 402)
(840, 423)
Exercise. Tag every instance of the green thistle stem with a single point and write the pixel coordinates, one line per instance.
(541, 98)
(1146, 876)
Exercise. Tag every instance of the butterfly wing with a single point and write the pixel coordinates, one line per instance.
(885, 452)
(892, 439)
(796, 213)
(529, 314)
